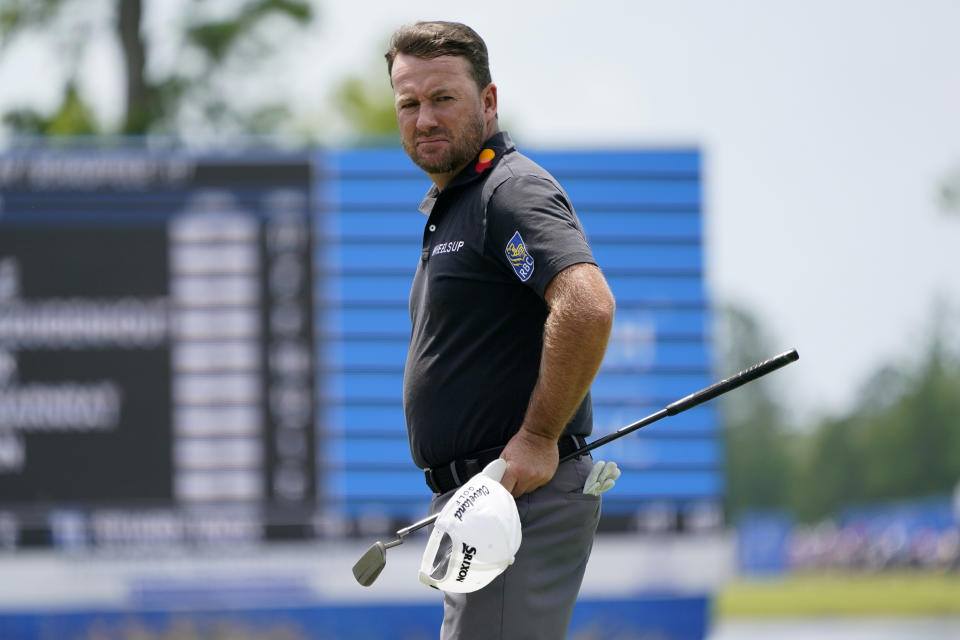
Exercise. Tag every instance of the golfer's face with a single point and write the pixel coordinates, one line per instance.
(440, 112)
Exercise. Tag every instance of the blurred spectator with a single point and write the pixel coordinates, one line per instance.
(896, 536)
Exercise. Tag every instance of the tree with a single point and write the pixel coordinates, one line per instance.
(949, 195)
(758, 444)
(829, 472)
(901, 440)
(367, 106)
(913, 445)
(196, 91)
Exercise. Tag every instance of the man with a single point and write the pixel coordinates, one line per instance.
(511, 318)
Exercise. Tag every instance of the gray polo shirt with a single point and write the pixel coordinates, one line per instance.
(494, 239)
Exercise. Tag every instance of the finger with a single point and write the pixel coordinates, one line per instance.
(606, 478)
(495, 469)
(594, 473)
(509, 479)
(610, 470)
(517, 490)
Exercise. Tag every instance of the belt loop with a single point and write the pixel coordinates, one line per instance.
(456, 476)
(472, 467)
(431, 482)
(577, 442)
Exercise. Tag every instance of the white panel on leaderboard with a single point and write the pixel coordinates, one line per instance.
(212, 388)
(215, 220)
(218, 453)
(198, 357)
(217, 421)
(214, 290)
(189, 259)
(219, 485)
(201, 324)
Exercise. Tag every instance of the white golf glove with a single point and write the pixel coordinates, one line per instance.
(602, 478)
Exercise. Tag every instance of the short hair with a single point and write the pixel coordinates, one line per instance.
(435, 39)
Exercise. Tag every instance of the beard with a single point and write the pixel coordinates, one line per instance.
(464, 145)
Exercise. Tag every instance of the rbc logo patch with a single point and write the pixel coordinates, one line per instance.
(520, 260)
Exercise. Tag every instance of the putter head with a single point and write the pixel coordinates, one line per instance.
(370, 564)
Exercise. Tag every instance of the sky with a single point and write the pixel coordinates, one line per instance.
(826, 127)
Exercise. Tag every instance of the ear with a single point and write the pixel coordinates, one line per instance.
(488, 98)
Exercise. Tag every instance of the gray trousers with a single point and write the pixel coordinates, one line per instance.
(533, 599)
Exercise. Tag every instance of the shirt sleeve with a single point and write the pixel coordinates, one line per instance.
(532, 229)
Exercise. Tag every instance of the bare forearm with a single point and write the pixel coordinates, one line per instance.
(574, 342)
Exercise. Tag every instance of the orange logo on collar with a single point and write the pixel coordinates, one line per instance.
(484, 160)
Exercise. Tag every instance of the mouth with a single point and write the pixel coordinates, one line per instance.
(431, 141)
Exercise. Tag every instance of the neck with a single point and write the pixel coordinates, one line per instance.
(441, 180)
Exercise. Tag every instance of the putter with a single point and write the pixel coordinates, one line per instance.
(371, 563)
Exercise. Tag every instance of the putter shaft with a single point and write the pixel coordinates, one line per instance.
(369, 566)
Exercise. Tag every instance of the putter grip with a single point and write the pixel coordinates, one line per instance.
(734, 381)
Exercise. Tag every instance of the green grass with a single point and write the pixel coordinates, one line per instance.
(842, 594)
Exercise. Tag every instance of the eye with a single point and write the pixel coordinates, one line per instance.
(407, 105)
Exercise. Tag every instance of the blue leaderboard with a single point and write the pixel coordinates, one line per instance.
(156, 347)
(642, 211)
(211, 346)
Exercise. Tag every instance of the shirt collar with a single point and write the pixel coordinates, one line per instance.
(489, 155)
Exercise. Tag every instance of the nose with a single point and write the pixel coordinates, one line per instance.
(426, 118)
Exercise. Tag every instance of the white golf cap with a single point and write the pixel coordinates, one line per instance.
(475, 537)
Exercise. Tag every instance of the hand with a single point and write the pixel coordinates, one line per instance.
(532, 461)
(602, 478)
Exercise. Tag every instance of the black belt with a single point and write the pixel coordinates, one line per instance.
(451, 476)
